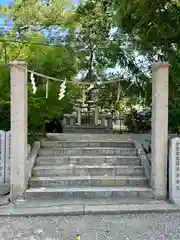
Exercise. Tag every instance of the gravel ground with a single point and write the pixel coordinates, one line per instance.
(116, 227)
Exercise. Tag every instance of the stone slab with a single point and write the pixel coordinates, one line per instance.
(11, 210)
(88, 151)
(88, 181)
(85, 202)
(138, 208)
(84, 143)
(88, 160)
(88, 192)
(87, 170)
(4, 188)
(4, 200)
(95, 131)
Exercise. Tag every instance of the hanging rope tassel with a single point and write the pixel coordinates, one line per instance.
(34, 88)
(62, 90)
(47, 88)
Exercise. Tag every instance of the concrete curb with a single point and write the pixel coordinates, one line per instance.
(65, 210)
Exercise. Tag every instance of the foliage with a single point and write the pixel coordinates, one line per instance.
(34, 13)
(137, 122)
(4, 99)
(155, 34)
(93, 38)
(43, 109)
(57, 62)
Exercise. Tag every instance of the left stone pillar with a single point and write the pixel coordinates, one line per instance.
(19, 128)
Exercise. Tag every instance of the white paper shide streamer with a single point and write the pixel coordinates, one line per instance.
(47, 88)
(34, 88)
(62, 90)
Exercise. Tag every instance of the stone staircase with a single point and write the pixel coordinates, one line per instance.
(73, 168)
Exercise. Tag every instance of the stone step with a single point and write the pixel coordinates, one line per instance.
(75, 170)
(87, 151)
(36, 203)
(86, 126)
(86, 137)
(88, 192)
(88, 160)
(81, 144)
(86, 130)
(89, 137)
(88, 181)
(91, 130)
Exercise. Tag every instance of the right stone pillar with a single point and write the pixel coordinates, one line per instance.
(159, 137)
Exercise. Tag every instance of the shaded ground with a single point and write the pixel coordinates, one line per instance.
(116, 227)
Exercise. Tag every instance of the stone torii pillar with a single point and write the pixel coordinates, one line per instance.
(19, 129)
(159, 137)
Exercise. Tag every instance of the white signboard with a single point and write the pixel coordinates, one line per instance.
(2, 155)
(174, 170)
(8, 157)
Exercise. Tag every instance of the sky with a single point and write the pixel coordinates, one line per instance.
(5, 1)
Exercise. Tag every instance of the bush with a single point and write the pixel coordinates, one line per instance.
(138, 121)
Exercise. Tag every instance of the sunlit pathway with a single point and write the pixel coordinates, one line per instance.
(117, 227)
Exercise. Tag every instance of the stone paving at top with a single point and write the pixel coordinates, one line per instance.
(110, 227)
